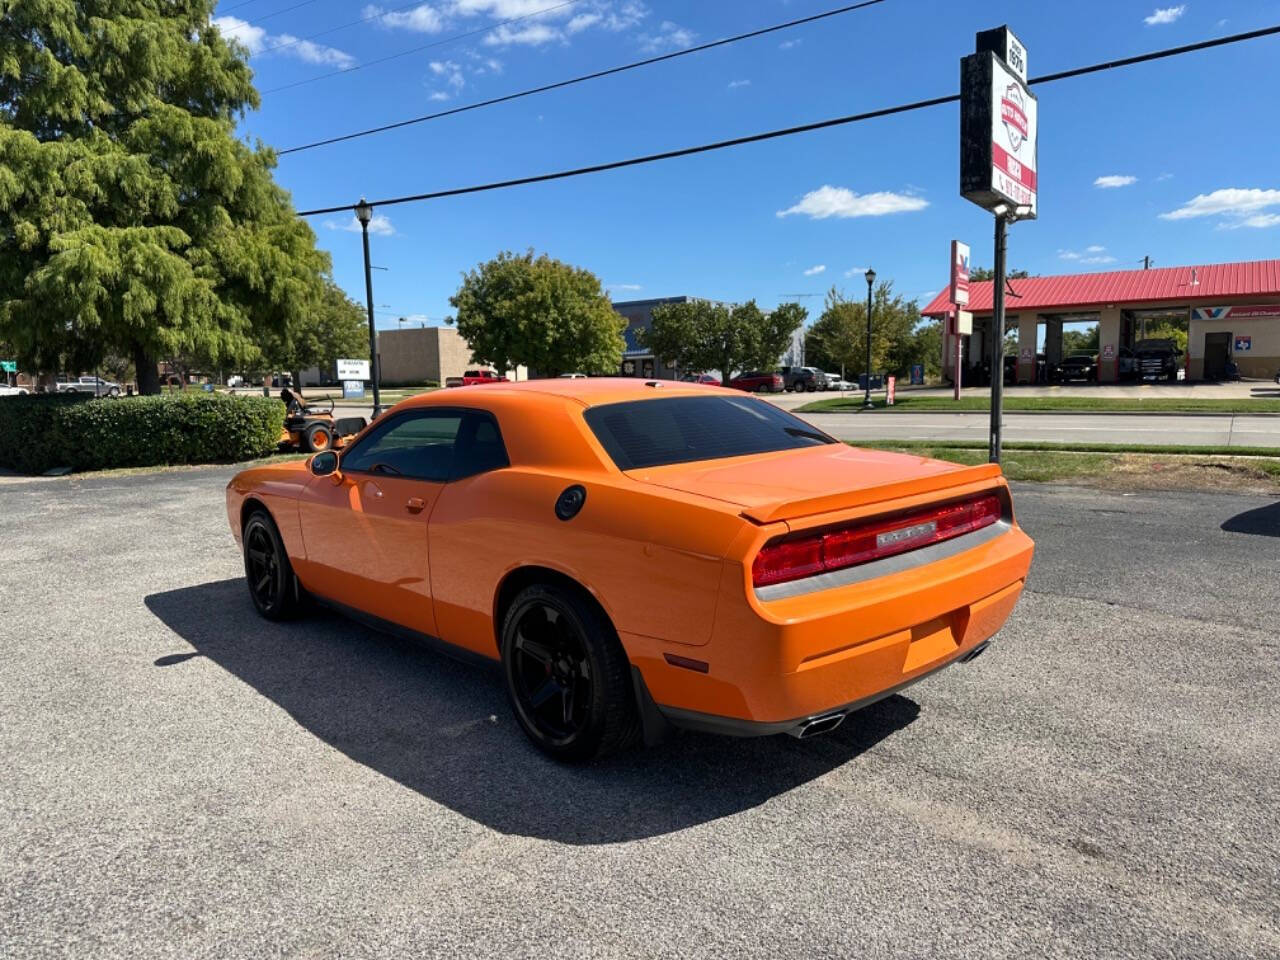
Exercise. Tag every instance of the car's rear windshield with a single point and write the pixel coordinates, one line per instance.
(654, 433)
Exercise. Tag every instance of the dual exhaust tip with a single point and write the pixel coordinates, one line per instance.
(829, 721)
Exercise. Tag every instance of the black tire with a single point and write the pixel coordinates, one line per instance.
(267, 571)
(567, 676)
(316, 438)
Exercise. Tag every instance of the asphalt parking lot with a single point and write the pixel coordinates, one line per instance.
(186, 780)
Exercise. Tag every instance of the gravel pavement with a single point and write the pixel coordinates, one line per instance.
(183, 779)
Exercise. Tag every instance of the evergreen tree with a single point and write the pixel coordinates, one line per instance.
(131, 218)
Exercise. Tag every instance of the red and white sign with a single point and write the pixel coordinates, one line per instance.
(892, 390)
(1262, 311)
(1109, 351)
(959, 273)
(1013, 138)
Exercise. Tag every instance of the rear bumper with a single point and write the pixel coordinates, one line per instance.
(774, 665)
(798, 726)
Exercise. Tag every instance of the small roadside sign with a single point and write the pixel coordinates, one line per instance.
(917, 374)
(352, 389)
(353, 369)
(891, 390)
(9, 366)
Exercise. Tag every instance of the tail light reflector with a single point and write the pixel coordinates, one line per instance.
(794, 557)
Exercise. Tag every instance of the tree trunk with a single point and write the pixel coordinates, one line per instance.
(297, 382)
(144, 366)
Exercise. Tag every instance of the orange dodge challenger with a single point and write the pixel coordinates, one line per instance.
(641, 554)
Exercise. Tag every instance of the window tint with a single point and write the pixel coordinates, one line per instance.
(418, 445)
(652, 433)
(479, 447)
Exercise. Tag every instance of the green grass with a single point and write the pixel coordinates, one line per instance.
(1015, 404)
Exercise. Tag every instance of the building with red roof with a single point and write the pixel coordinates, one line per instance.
(1231, 311)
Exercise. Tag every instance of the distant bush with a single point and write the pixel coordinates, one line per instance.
(40, 432)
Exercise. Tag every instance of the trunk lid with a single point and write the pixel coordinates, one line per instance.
(801, 483)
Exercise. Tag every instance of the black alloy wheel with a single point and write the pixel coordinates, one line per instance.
(267, 569)
(567, 676)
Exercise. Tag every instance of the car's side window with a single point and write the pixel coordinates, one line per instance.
(479, 447)
(419, 444)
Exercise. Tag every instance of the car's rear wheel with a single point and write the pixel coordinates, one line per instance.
(317, 438)
(567, 676)
(267, 569)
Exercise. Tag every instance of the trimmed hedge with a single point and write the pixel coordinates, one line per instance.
(43, 431)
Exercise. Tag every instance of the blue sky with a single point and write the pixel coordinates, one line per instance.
(1173, 159)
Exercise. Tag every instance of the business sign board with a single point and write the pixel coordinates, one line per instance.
(1264, 311)
(959, 273)
(352, 389)
(999, 123)
(1244, 344)
(964, 323)
(353, 369)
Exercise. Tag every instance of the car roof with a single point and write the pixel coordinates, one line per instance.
(590, 391)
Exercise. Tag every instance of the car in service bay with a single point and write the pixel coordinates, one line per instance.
(656, 554)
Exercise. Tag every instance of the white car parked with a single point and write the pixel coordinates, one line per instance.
(94, 385)
(8, 391)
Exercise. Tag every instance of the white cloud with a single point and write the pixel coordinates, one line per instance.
(449, 72)
(788, 44)
(855, 271)
(1094, 253)
(582, 21)
(735, 84)
(815, 270)
(421, 19)
(1236, 204)
(670, 36)
(439, 96)
(380, 224)
(627, 287)
(1114, 180)
(1258, 221)
(1165, 15)
(529, 35)
(829, 201)
(1163, 177)
(257, 41)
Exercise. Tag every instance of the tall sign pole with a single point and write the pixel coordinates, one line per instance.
(999, 126)
(959, 300)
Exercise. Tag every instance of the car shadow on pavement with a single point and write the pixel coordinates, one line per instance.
(443, 728)
(1260, 521)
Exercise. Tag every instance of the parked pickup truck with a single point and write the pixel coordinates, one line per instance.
(1157, 359)
(93, 385)
(473, 377)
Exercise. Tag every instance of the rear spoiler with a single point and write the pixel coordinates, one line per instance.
(847, 499)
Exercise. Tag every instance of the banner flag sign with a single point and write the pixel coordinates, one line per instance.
(999, 123)
(353, 369)
(959, 273)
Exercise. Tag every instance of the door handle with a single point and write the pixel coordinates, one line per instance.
(415, 504)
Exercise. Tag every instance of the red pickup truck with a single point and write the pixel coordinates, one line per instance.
(472, 377)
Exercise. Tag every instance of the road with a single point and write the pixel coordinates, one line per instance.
(186, 780)
(1233, 431)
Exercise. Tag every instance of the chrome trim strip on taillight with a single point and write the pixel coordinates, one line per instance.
(883, 568)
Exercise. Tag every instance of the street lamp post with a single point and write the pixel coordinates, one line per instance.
(364, 213)
(871, 279)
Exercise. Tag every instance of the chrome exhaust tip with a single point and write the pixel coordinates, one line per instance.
(818, 725)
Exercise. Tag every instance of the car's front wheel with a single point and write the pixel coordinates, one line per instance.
(267, 569)
(567, 676)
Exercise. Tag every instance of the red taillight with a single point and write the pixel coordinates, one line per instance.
(791, 559)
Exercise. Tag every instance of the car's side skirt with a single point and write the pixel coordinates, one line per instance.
(450, 650)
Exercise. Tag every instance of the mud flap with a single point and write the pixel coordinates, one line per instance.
(654, 727)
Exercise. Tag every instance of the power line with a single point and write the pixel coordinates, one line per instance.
(237, 6)
(801, 128)
(276, 13)
(425, 46)
(581, 79)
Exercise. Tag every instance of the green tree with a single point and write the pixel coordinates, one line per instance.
(132, 220)
(1080, 341)
(701, 335)
(979, 274)
(518, 310)
(838, 339)
(336, 328)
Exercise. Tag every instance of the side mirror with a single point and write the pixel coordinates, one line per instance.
(324, 464)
